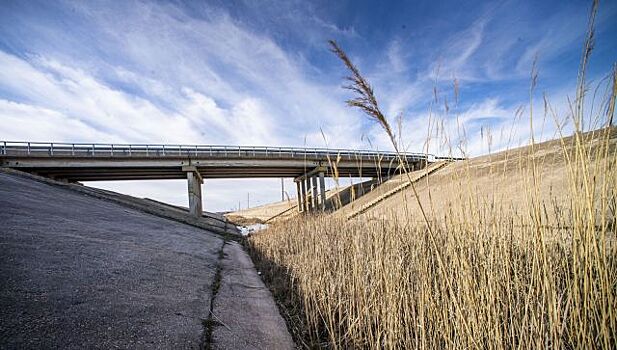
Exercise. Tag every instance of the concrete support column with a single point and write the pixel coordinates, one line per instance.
(314, 192)
(299, 195)
(322, 188)
(311, 190)
(304, 199)
(309, 198)
(194, 181)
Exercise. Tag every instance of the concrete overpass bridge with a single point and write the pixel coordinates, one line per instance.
(74, 162)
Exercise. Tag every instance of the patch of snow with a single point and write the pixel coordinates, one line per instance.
(246, 230)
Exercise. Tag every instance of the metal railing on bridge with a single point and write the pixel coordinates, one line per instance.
(61, 149)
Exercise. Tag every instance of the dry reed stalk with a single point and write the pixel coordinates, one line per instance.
(367, 102)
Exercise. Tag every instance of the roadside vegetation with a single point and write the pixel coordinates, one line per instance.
(475, 272)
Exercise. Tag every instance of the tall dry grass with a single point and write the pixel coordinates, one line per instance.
(541, 277)
(474, 273)
(510, 280)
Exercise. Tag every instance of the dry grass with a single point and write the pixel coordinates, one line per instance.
(510, 281)
(469, 271)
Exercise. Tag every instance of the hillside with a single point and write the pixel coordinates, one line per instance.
(497, 178)
(504, 180)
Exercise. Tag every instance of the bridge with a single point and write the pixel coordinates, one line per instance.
(74, 162)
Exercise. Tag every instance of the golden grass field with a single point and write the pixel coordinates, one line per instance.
(512, 250)
(524, 270)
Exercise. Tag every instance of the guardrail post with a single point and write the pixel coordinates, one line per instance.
(163, 150)
(93, 150)
(147, 150)
(112, 149)
(72, 149)
(51, 149)
(28, 148)
(4, 148)
(130, 150)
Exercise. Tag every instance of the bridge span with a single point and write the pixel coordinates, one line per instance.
(308, 166)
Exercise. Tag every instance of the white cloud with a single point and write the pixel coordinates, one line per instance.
(25, 122)
(457, 52)
(158, 74)
(169, 88)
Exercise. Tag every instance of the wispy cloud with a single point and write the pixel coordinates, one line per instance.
(260, 73)
(204, 81)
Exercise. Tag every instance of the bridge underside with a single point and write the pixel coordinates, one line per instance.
(113, 170)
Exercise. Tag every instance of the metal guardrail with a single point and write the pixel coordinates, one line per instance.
(61, 149)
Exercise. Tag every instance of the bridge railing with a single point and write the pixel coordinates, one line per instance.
(59, 149)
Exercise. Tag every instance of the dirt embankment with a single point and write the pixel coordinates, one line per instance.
(506, 181)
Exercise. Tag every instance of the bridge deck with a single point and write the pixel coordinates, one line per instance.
(89, 162)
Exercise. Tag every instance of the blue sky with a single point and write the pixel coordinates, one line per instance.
(260, 73)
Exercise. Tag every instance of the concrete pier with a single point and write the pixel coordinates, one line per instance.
(194, 181)
(314, 195)
(299, 195)
(303, 195)
(322, 194)
(311, 190)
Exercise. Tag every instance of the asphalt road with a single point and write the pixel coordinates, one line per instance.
(78, 272)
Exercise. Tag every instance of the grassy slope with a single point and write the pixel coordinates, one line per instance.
(494, 178)
(497, 178)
